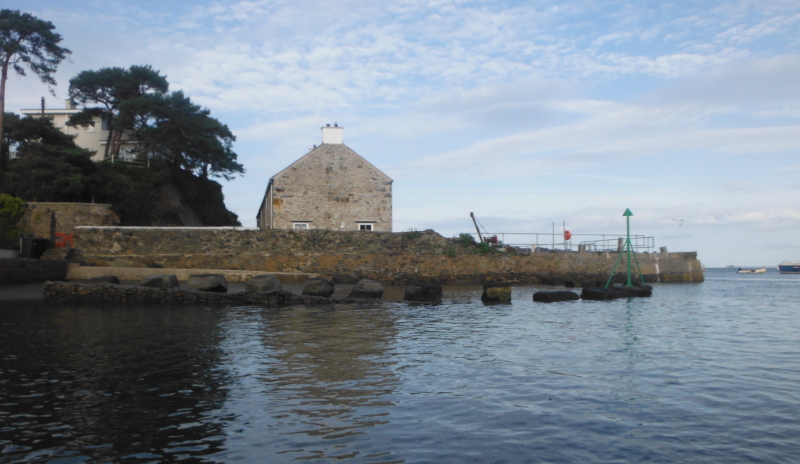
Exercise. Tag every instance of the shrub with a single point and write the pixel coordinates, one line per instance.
(484, 247)
(467, 239)
(11, 211)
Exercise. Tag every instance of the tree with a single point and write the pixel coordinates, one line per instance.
(175, 129)
(48, 165)
(114, 92)
(23, 134)
(11, 211)
(27, 41)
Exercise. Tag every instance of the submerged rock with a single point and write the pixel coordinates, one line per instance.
(550, 297)
(420, 291)
(367, 288)
(208, 283)
(496, 293)
(263, 283)
(616, 291)
(319, 286)
(160, 281)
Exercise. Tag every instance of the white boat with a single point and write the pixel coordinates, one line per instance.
(752, 271)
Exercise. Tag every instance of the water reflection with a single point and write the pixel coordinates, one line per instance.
(95, 385)
(325, 373)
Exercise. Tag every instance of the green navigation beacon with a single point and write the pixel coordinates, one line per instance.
(628, 250)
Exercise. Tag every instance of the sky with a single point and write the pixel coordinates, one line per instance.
(531, 114)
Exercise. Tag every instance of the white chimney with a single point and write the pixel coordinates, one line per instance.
(332, 135)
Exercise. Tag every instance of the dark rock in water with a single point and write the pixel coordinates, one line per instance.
(262, 284)
(160, 281)
(319, 287)
(550, 297)
(208, 283)
(499, 292)
(420, 291)
(616, 291)
(108, 279)
(367, 288)
(599, 294)
(637, 290)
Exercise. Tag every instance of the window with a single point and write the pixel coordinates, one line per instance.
(367, 227)
(300, 226)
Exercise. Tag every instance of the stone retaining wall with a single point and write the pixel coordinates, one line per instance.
(24, 271)
(78, 293)
(392, 258)
(36, 221)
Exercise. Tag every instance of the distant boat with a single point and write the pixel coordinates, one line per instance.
(787, 267)
(752, 271)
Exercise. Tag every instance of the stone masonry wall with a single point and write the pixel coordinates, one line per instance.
(68, 216)
(332, 187)
(393, 258)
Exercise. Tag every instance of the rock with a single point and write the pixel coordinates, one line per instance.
(420, 291)
(208, 283)
(549, 297)
(496, 293)
(637, 290)
(599, 294)
(616, 291)
(367, 288)
(263, 284)
(107, 279)
(319, 287)
(160, 281)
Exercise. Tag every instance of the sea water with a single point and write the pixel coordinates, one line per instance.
(705, 372)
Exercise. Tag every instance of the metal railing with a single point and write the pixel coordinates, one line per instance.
(554, 241)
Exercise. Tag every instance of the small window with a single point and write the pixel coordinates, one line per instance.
(103, 124)
(300, 226)
(367, 227)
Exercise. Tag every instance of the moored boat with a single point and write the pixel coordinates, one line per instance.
(752, 271)
(788, 267)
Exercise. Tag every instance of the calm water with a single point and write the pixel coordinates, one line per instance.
(698, 373)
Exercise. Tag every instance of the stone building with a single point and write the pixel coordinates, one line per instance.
(331, 187)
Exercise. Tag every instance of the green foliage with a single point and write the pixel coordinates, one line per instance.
(413, 234)
(133, 193)
(23, 135)
(175, 129)
(165, 125)
(484, 248)
(450, 252)
(26, 41)
(467, 239)
(11, 211)
(111, 94)
(205, 198)
(49, 166)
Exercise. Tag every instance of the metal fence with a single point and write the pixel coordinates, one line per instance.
(555, 241)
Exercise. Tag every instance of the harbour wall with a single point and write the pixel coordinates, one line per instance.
(24, 271)
(392, 258)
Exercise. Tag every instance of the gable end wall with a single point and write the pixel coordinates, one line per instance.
(333, 188)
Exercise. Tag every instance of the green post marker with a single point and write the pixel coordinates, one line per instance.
(628, 249)
(628, 215)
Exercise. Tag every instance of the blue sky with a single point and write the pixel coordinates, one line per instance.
(527, 113)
